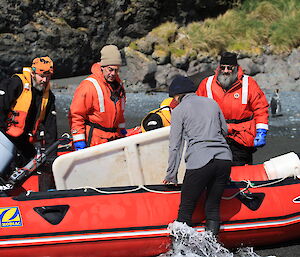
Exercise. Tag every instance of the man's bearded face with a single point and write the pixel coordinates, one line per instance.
(227, 75)
(40, 81)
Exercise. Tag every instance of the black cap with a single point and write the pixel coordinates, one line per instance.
(181, 85)
(228, 58)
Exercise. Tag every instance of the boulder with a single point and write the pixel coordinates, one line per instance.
(161, 56)
(249, 66)
(139, 69)
(165, 74)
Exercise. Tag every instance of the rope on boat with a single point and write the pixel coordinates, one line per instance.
(109, 192)
(248, 183)
(159, 192)
(127, 191)
(251, 185)
(28, 192)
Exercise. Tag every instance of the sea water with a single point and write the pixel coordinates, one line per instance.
(187, 242)
(139, 104)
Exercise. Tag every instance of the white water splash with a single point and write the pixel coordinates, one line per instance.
(247, 252)
(187, 242)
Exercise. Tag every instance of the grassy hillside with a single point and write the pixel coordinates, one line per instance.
(253, 27)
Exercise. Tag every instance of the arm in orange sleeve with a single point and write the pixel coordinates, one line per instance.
(201, 91)
(259, 105)
(81, 104)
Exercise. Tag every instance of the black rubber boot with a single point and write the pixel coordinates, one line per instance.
(213, 226)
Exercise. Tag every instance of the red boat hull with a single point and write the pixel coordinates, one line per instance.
(135, 223)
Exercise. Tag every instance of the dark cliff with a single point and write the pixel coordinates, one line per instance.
(72, 32)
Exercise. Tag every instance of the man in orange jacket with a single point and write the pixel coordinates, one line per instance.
(243, 104)
(97, 110)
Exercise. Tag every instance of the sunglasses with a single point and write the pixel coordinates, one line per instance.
(228, 67)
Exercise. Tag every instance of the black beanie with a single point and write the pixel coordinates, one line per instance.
(228, 58)
(181, 85)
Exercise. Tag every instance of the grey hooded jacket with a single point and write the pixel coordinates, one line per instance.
(198, 121)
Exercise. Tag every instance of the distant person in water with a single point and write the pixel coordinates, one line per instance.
(243, 104)
(200, 122)
(97, 110)
(27, 114)
(275, 104)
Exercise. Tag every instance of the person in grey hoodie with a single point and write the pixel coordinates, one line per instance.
(200, 122)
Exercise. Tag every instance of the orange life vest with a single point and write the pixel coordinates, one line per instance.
(17, 116)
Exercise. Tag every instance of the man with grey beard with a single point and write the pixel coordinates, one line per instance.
(27, 113)
(243, 104)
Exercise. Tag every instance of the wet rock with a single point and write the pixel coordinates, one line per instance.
(139, 69)
(165, 74)
(197, 67)
(161, 56)
(249, 66)
(146, 44)
(181, 62)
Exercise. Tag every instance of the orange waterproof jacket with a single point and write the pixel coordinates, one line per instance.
(244, 106)
(92, 103)
(17, 117)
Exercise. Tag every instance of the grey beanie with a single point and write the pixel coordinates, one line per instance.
(110, 55)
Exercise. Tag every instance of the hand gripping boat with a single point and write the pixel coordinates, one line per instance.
(110, 202)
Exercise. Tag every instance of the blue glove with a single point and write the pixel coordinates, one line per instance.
(79, 145)
(260, 139)
(123, 131)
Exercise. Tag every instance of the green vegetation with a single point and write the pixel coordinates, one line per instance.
(253, 27)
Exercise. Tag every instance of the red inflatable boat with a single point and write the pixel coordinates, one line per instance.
(132, 221)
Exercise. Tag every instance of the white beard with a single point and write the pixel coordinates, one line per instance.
(226, 80)
(39, 87)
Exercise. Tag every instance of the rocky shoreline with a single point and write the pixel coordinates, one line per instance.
(141, 73)
(73, 32)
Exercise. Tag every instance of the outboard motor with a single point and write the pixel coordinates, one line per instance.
(7, 153)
